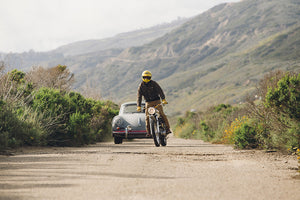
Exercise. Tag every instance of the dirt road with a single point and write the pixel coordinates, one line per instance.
(185, 169)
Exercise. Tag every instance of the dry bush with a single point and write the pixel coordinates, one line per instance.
(2, 79)
(93, 93)
(257, 109)
(58, 77)
(270, 80)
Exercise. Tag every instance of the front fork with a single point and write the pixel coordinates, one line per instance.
(160, 130)
(153, 119)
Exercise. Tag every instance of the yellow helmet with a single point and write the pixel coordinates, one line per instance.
(146, 76)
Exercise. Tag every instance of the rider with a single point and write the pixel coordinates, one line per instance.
(152, 93)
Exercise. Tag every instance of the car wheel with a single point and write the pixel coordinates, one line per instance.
(118, 140)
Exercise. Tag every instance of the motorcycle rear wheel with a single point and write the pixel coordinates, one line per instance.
(163, 141)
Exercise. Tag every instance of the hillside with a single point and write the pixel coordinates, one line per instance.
(215, 57)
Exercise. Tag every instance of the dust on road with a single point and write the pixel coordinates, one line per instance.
(185, 169)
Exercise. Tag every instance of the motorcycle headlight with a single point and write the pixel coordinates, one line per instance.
(151, 110)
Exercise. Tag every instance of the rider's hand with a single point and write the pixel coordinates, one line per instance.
(139, 108)
(164, 101)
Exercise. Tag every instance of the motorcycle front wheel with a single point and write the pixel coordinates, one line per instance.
(163, 137)
(154, 132)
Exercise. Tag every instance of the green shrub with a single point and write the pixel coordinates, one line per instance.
(285, 98)
(245, 136)
(186, 131)
(278, 112)
(208, 125)
(293, 137)
(16, 129)
(39, 110)
(221, 106)
(206, 133)
(180, 121)
(270, 122)
(17, 76)
(78, 127)
(79, 120)
(4, 140)
(10, 128)
(52, 100)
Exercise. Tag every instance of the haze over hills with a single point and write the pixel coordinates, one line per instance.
(98, 50)
(215, 57)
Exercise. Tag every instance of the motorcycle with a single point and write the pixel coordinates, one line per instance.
(157, 127)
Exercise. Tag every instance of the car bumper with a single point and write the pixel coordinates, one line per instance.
(130, 134)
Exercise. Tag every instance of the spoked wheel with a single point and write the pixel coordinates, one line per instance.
(163, 137)
(154, 132)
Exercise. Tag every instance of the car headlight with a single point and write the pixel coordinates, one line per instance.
(118, 121)
(151, 110)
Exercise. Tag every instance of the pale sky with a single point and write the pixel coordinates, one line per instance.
(44, 25)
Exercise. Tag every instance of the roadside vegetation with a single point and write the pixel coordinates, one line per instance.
(269, 120)
(38, 108)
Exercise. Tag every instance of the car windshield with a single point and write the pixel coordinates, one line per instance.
(130, 108)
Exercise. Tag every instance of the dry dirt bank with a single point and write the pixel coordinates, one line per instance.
(185, 169)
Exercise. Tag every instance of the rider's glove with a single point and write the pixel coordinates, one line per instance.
(164, 101)
(139, 108)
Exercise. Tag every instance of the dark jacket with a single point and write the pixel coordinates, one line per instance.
(151, 92)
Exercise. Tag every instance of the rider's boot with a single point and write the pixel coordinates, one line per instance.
(148, 134)
(168, 131)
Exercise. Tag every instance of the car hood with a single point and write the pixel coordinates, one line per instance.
(134, 120)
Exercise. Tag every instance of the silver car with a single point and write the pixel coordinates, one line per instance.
(129, 123)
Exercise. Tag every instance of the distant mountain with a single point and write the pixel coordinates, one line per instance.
(120, 41)
(26, 60)
(98, 50)
(216, 57)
